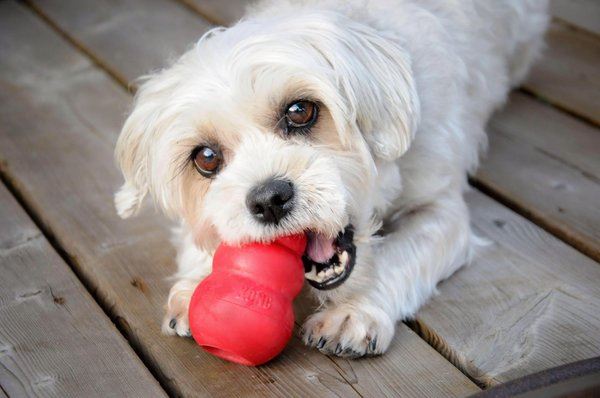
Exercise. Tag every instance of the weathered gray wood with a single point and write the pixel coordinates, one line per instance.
(62, 118)
(219, 12)
(536, 152)
(581, 13)
(527, 303)
(568, 75)
(161, 30)
(54, 339)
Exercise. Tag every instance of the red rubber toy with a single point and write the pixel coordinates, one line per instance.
(242, 311)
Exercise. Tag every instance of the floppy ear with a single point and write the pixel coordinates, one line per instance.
(130, 153)
(134, 145)
(376, 78)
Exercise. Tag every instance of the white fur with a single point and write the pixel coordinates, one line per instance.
(405, 87)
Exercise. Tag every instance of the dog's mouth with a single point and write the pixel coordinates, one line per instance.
(328, 262)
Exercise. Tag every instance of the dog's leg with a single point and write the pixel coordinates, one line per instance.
(425, 246)
(193, 265)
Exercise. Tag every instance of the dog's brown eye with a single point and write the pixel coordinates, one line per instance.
(301, 114)
(207, 160)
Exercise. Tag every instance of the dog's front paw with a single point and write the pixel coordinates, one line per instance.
(176, 320)
(349, 331)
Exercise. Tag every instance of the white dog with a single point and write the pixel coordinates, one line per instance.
(355, 122)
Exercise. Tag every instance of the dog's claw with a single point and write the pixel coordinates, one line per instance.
(321, 343)
(373, 344)
(338, 349)
(348, 332)
(173, 323)
(309, 339)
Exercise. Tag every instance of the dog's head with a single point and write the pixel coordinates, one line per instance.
(272, 127)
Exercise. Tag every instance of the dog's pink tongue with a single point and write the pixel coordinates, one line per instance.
(319, 248)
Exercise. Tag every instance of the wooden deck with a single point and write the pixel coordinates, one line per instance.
(82, 292)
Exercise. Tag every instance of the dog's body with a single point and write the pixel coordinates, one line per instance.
(403, 91)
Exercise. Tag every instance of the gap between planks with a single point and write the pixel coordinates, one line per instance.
(119, 78)
(546, 102)
(538, 219)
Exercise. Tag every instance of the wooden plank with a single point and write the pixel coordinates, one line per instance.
(54, 339)
(568, 75)
(67, 126)
(219, 12)
(584, 14)
(527, 303)
(161, 30)
(536, 152)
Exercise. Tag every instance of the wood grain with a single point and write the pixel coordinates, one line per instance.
(60, 123)
(527, 303)
(536, 152)
(119, 31)
(568, 75)
(584, 14)
(54, 339)
(219, 12)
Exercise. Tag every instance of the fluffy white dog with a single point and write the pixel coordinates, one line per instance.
(355, 122)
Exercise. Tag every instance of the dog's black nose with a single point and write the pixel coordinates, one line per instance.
(270, 201)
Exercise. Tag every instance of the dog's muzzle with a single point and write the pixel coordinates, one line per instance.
(329, 262)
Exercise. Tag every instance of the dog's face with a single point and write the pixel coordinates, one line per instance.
(274, 127)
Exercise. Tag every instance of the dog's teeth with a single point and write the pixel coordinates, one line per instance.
(338, 269)
(344, 258)
(329, 273)
(312, 274)
(320, 276)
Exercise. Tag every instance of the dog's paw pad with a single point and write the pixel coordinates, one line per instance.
(348, 332)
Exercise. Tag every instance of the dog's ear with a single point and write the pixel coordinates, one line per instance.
(376, 79)
(133, 151)
(131, 154)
